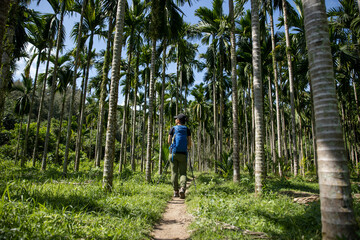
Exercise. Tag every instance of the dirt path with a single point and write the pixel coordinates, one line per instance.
(174, 223)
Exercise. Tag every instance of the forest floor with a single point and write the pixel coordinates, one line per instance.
(174, 223)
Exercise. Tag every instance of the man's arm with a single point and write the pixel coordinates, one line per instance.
(169, 139)
(189, 142)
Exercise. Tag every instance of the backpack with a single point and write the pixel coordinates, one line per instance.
(179, 142)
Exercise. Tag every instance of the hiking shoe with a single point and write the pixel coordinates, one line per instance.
(176, 193)
(182, 193)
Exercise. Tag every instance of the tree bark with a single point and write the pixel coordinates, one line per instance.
(161, 117)
(4, 11)
(133, 163)
(150, 116)
(114, 88)
(234, 96)
(337, 215)
(258, 97)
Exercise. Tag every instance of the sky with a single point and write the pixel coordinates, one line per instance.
(100, 44)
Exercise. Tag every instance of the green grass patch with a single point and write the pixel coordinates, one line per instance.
(219, 203)
(45, 205)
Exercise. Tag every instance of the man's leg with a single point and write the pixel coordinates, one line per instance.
(174, 172)
(182, 169)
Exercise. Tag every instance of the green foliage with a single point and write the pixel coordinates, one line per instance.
(218, 204)
(44, 205)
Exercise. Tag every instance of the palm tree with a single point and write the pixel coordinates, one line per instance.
(115, 71)
(291, 85)
(38, 38)
(275, 72)
(338, 220)
(109, 9)
(93, 25)
(234, 96)
(258, 97)
(65, 76)
(212, 23)
(73, 91)
(65, 4)
(22, 105)
(51, 25)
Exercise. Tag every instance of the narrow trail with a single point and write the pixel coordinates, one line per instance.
(174, 223)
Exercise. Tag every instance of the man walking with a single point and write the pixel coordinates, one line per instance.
(180, 140)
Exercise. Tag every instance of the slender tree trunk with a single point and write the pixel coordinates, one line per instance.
(103, 93)
(24, 149)
(161, 117)
(234, 97)
(337, 215)
(53, 88)
(114, 88)
(143, 125)
(291, 81)
(78, 49)
(122, 159)
(150, 117)
(41, 104)
(177, 81)
(272, 135)
(83, 106)
(133, 163)
(60, 128)
(18, 141)
(277, 99)
(258, 97)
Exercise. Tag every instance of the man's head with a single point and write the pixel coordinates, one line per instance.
(181, 118)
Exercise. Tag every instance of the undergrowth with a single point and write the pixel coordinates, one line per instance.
(45, 205)
(224, 210)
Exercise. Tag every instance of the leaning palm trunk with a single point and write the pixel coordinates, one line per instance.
(4, 10)
(5, 74)
(258, 97)
(114, 85)
(291, 83)
(24, 150)
(161, 121)
(78, 49)
(41, 105)
(104, 82)
(150, 116)
(234, 97)
(337, 215)
(52, 94)
(82, 111)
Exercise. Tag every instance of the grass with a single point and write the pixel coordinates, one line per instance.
(219, 203)
(44, 205)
